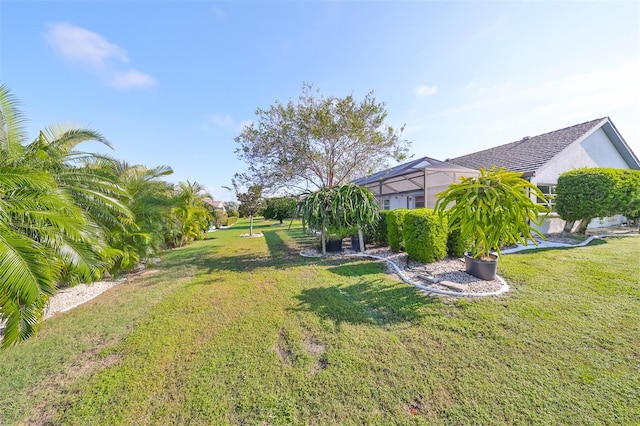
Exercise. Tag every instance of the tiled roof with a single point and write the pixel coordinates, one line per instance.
(530, 153)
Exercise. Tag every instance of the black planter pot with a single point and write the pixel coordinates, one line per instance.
(334, 246)
(355, 242)
(479, 268)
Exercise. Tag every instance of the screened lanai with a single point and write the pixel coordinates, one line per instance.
(414, 184)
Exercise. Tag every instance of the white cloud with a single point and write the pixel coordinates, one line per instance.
(221, 120)
(423, 90)
(131, 79)
(93, 52)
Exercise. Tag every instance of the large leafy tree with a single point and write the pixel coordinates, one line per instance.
(280, 208)
(318, 141)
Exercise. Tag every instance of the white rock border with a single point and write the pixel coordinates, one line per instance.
(505, 286)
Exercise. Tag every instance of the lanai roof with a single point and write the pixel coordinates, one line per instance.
(412, 166)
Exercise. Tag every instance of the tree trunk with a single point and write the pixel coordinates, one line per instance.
(568, 226)
(323, 239)
(582, 227)
(361, 238)
(251, 225)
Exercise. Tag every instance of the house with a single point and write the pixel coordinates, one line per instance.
(217, 205)
(543, 158)
(413, 184)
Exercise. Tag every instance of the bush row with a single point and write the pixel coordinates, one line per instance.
(231, 220)
(422, 233)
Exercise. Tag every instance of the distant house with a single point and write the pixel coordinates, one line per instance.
(543, 158)
(217, 205)
(413, 184)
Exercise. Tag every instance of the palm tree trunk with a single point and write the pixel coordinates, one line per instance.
(361, 238)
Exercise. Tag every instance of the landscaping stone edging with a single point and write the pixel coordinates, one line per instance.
(403, 277)
(505, 286)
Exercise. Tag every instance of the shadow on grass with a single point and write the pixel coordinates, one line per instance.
(365, 302)
(357, 269)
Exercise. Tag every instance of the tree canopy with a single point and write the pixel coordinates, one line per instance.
(318, 141)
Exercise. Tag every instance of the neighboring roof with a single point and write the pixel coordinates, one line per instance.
(530, 153)
(412, 166)
(213, 203)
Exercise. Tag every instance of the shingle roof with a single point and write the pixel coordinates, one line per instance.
(530, 153)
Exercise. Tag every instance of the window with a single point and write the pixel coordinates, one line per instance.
(385, 204)
(420, 202)
(549, 191)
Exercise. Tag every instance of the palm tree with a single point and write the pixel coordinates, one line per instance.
(151, 204)
(51, 218)
(191, 216)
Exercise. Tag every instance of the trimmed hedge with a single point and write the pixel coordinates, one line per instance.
(425, 235)
(586, 193)
(379, 231)
(231, 220)
(456, 244)
(395, 223)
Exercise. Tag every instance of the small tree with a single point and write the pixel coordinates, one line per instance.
(587, 193)
(280, 208)
(251, 204)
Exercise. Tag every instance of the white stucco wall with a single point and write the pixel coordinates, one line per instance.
(594, 151)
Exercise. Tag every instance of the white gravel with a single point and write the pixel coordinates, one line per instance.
(69, 298)
(434, 275)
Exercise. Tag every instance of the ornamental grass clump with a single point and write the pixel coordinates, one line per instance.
(493, 210)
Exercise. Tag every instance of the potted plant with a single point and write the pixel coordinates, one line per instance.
(492, 210)
(339, 208)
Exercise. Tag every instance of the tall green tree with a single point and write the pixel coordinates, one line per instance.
(318, 141)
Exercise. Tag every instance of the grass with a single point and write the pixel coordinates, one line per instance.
(244, 331)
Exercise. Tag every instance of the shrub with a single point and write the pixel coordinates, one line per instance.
(379, 231)
(220, 218)
(587, 193)
(425, 235)
(231, 220)
(457, 245)
(395, 222)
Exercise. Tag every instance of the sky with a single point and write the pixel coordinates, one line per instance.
(173, 82)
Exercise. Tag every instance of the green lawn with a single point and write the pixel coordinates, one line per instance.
(236, 330)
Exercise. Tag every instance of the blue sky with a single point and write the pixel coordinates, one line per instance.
(172, 82)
